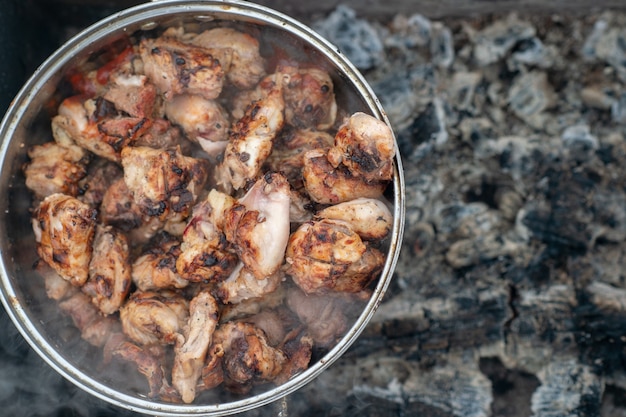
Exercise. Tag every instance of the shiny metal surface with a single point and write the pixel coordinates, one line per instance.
(27, 123)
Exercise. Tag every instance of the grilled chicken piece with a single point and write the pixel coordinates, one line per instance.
(101, 174)
(326, 184)
(205, 256)
(212, 373)
(57, 288)
(370, 218)
(163, 135)
(288, 152)
(118, 207)
(119, 57)
(149, 361)
(258, 225)
(192, 346)
(238, 52)
(155, 268)
(164, 183)
(55, 168)
(251, 138)
(328, 255)
(253, 306)
(242, 285)
(301, 207)
(361, 273)
(179, 68)
(309, 97)
(64, 230)
(154, 317)
(323, 315)
(132, 94)
(94, 328)
(109, 270)
(274, 323)
(248, 357)
(95, 125)
(298, 350)
(365, 145)
(203, 121)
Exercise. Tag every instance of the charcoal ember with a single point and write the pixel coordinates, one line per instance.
(356, 38)
(603, 264)
(618, 109)
(562, 215)
(609, 206)
(602, 98)
(476, 130)
(531, 52)
(398, 96)
(516, 156)
(455, 389)
(463, 88)
(530, 96)
(412, 31)
(467, 252)
(388, 385)
(590, 46)
(424, 188)
(431, 324)
(606, 298)
(495, 41)
(543, 325)
(464, 220)
(601, 317)
(405, 91)
(579, 143)
(441, 46)
(611, 48)
(512, 388)
(427, 131)
(515, 235)
(575, 209)
(562, 226)
(568, 388)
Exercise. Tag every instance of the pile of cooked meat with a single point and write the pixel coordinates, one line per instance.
(207, 213)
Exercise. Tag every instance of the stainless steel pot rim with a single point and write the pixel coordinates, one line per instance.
(146, 14)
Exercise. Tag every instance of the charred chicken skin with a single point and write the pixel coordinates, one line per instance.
(163, 183)
(365, 145)
(109, 270)
(155, 268)
(150, 317)
(97, 126)
(179, 68)
(326, 184)
(192, 345)
(258, 225)
(54, 168)
(64, 230)
(251, 137)
(248, 358)
(309, 97)
(239, 52)
(203, 121)
(205, 254)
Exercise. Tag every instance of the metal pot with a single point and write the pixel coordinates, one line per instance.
(27, 122)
